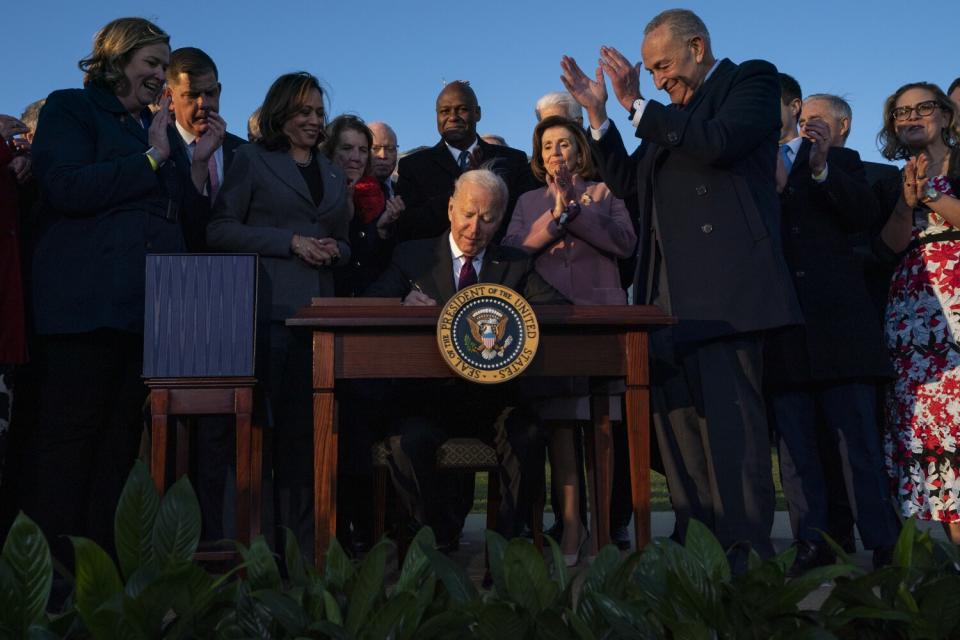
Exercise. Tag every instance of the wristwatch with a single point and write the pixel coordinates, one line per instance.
(930, 194)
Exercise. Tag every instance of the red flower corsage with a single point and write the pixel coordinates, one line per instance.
(368, 200)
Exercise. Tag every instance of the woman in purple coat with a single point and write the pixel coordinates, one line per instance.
(577, 230)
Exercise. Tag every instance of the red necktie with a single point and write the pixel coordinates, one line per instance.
(468, 276)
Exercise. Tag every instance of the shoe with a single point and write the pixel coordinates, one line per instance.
(573, 559)
(620, 536)
(882, 557)
(810, 555)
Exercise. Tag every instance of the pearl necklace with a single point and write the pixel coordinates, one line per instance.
(307, 163)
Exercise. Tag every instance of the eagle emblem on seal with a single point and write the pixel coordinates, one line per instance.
(487, 326)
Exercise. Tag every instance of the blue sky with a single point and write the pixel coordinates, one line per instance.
(388, 60)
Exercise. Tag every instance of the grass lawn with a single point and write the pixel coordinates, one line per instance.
(659, 498)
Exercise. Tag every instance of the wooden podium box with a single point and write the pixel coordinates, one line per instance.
(381, 339)
(200, 332)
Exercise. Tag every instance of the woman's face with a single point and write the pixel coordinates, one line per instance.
(916, 131)
(145, 76)
(559, 147)
(351, 154)
(304, 127)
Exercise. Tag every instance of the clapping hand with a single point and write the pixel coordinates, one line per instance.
(912, 182)
(10, 127)
(157, 134)
(212, 138)
(624, 77)
(818, 132)
(391, 213)
(591, 94)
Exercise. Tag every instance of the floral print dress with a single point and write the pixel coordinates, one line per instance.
(923, 407)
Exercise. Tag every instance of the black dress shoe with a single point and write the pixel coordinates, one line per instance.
(620, 536)
(882, 557)
(810, 555)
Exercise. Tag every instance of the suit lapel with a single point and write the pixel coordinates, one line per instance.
(802, 158)
(332, 187)
(493, 269)
(724, 67)
(229, 148)
(283, 166)
(442, 272)
(441, 156)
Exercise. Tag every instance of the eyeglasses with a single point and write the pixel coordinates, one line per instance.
(923, 109)
(388, 148)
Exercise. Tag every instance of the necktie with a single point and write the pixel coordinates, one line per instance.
(464, 161)
(785, 153)
(214, 176)
(468, 276)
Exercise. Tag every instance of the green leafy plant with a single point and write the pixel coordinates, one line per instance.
(156, 590)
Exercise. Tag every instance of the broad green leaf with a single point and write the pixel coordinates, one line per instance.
(339, 568)
(416, 564)
(461, 589)
(389, 618)
(10, 601)
(424, 598)
(134, 520)
(253, 618)
(296, 568)
(445, 624)
(527, 580)
(262, 571)
(368, 587)
(549, 625)
(603, 565)
(559, 571)
(332, 609)
(330, 630)
(903, 550)
(28, 557)
(497, 621)
(176, 530)
(579, 626)
(496, 548)
(40, 633)
(626, 619)
(703, 546)
(97, 586)
(284, 610)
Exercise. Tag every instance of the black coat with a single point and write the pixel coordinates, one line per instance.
(196, 208)
(103, 210)
(708, 168)
(426, 181)
(842, 338)
(428, 263)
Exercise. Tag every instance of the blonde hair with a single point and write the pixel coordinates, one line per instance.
(113, 47)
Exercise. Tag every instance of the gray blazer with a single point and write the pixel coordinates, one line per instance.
(263, 202)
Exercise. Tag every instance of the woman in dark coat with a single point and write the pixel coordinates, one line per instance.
(285, 201)
(109, 198)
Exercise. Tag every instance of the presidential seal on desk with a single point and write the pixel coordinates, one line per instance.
(488, 333)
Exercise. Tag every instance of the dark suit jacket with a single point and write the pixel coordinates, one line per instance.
(263, 203)
(708, 169)
(103, 210)
(841, 338)
(195, 212)
(429, 264)
(426, 181)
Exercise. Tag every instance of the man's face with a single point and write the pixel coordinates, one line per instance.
(457, 117)
(817, 109)
(677, 65)
(192, 98)
(473, 218)
(384, 151)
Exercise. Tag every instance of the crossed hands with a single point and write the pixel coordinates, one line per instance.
(592, 93)
(318, 252)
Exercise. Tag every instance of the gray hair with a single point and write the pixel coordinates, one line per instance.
(560, 98)
(683, 24)
(32, 113)
(485, 179)
(840, 107)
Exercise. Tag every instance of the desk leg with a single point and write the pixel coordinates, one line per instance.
(245, 480)
(638, 434)
(159, 404)
(324, 447)
(603, 468)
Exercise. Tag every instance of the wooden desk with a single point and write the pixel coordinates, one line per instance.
(375, 339)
